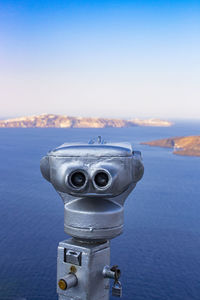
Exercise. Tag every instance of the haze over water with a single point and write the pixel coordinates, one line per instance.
(121, 59)
(158, 252)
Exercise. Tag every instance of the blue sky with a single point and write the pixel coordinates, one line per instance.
(100, 58)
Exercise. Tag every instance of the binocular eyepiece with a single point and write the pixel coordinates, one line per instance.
(101, 179)
(78, 179)
(93, 180)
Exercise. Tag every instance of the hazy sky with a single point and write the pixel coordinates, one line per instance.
(100, 58)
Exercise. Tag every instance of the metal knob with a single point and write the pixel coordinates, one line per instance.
(112, 272)
(67, 282)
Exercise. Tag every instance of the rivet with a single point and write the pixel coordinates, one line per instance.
(73, 269)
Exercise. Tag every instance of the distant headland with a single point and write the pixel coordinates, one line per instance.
(188, 145)
(62, 121)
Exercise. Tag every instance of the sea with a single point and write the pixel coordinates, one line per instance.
(159, 250)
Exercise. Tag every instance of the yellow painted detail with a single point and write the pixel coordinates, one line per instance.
(62, 284)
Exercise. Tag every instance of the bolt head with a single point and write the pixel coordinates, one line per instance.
(62, 284)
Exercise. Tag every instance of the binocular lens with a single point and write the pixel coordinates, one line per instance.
(78, 179)
(101, 179)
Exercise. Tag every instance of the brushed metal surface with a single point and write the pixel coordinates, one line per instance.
(91, 211)
(91, 283)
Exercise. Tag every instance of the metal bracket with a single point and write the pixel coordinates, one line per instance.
(72, 257)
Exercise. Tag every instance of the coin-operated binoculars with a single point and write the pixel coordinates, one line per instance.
(93, 180)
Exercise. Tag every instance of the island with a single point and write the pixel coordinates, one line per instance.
(62, 121)
(187, 145)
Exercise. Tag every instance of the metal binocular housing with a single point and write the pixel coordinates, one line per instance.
(93, 180)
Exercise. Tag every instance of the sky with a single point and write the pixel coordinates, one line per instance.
(120, 59)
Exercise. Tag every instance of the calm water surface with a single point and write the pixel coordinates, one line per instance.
(159, 252)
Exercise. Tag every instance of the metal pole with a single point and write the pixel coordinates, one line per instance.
(85, 262)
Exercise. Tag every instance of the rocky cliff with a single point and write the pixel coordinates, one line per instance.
(61, 121)
(188, 145)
